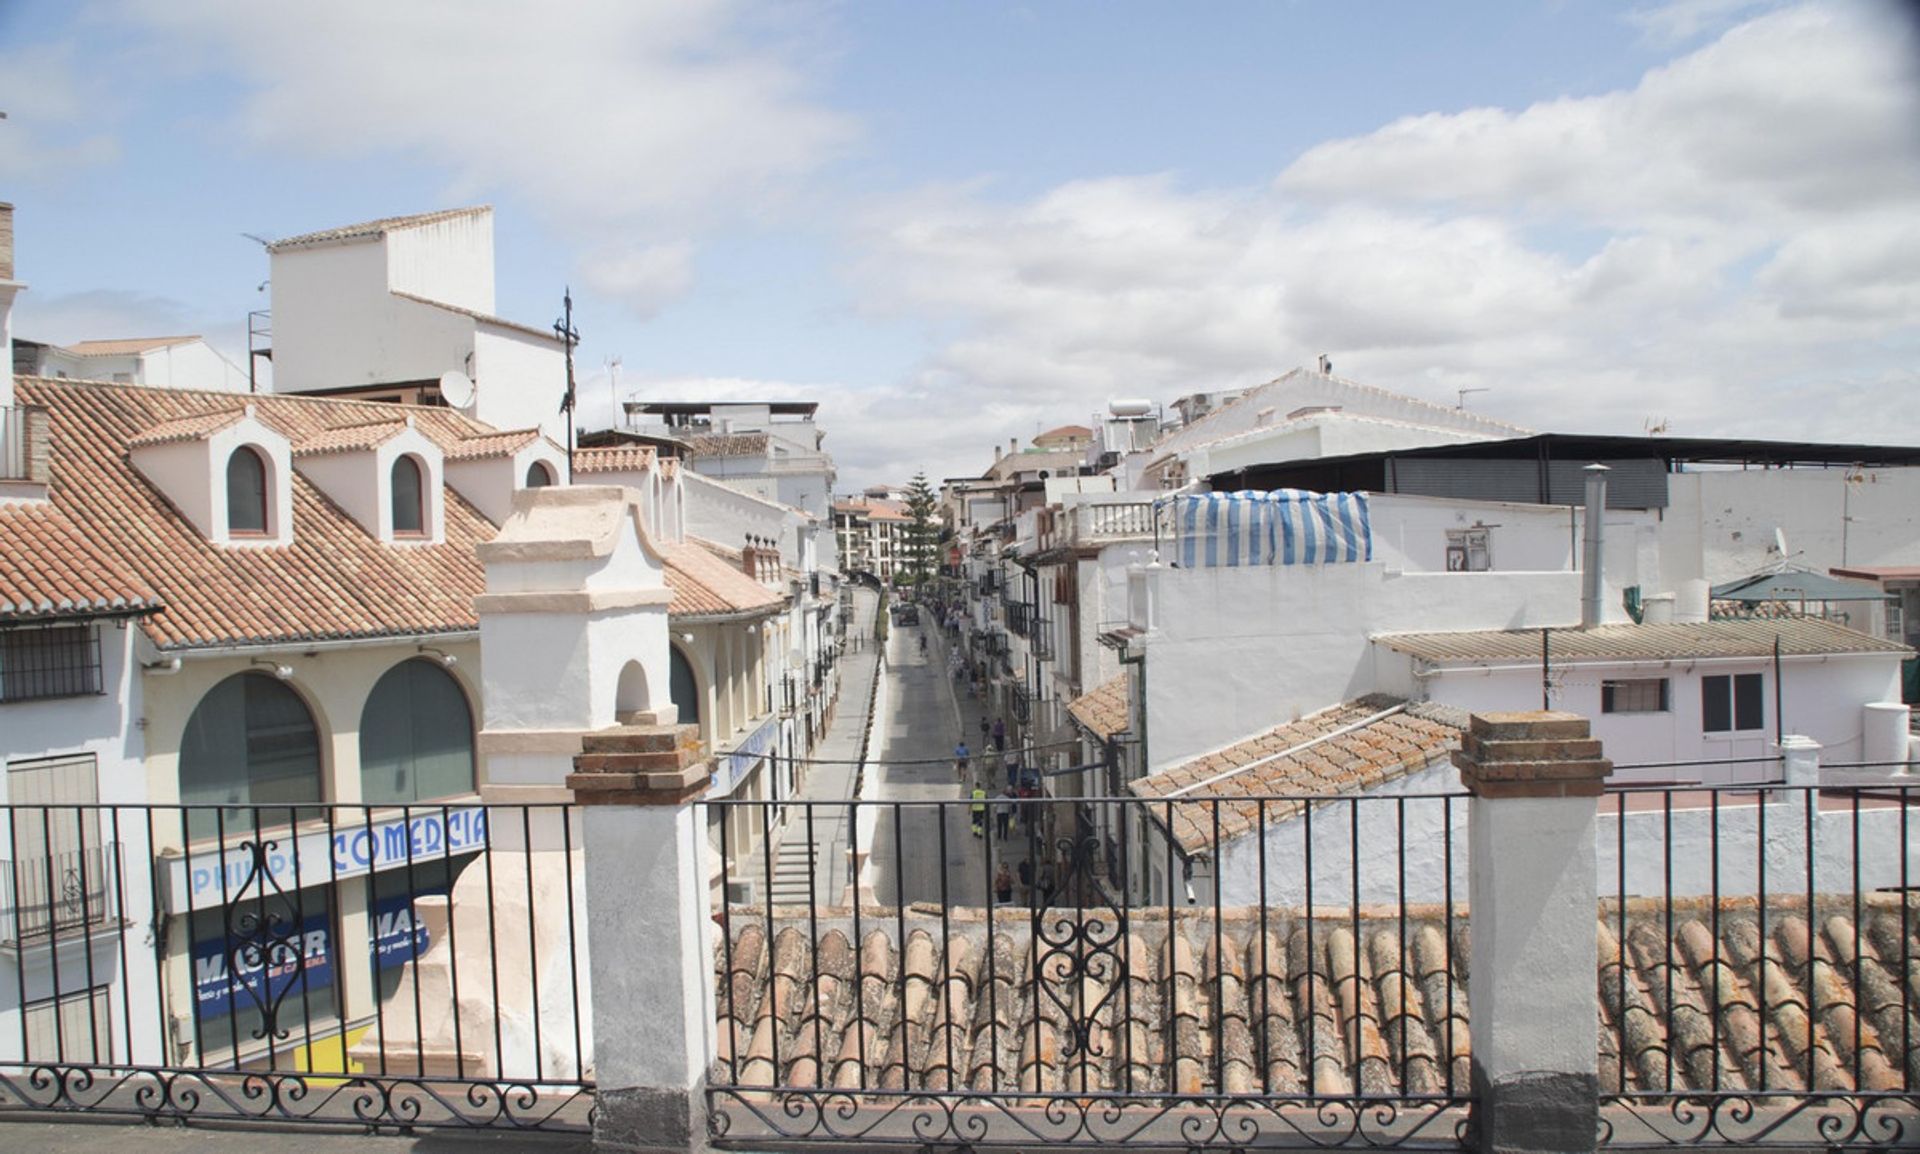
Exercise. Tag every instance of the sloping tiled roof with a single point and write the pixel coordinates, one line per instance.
(493, 445)
(728, 444)
(483, 318)
(126, 346)
(357, 438)
(50, 569)
(1345, 749)
(1266, 1001)
(705, 586)
(1732, 637)
(1102, 711)
(370, 228)
(187, 428)
(333, 581)
(1073, 432)
(614, 459)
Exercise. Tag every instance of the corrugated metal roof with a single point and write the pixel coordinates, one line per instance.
(1796, 585)
(1798, 637)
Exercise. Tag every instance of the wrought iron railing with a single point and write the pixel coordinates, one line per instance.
(1138, 972)
(57, 893)
(368, 966)
(1759, 965)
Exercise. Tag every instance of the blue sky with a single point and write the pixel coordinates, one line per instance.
(952, 223)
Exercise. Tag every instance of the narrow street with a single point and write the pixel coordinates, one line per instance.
(931, 854)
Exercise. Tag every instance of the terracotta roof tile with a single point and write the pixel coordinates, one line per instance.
(728, 444)
(1103, 710)
(705, 586)
(126, 346)
(373, 228)
(188, 428)
(354, 438)
(494, 445)
(1282, 762)
(49, 568)
(1375, 1003)
(614, 459)
(333, 581)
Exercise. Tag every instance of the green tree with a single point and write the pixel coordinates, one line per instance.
(923, 530)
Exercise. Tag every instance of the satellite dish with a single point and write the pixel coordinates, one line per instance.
(456, 389)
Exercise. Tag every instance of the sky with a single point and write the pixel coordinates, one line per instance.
(954, 223)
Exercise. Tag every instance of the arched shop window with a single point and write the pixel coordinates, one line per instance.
(416, 736)
(683, 687)
(250, 744)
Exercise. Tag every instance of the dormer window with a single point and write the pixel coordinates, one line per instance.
(409, 507)
(539, 476)
(246, 492)
(229, 474)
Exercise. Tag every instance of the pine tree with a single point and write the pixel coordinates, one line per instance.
(923, 531)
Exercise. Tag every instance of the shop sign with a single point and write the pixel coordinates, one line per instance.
(204, 880)
(735, 766)
(225, 970)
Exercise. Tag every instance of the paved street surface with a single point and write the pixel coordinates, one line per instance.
(928, 712)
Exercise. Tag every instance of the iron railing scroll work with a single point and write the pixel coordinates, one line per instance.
(397, 966)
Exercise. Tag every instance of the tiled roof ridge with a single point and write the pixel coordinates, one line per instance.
(243, 399)
(80, 348)
(377, 227)
(189, 428)
(360, 435)
(509, 440)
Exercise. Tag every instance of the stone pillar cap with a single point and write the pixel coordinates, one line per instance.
(1538, 753)
(640, 765)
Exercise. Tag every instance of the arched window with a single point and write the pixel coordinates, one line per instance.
(246, 492)
(416, 736)
(684, 689)
(538, 475)
(409, 497)
(250, 742)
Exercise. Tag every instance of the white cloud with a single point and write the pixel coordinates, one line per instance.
(1727, 244)
(42, 95)
(632, 126)
(1678, 22)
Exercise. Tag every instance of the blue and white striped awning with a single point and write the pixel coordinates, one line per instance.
(1282, 527)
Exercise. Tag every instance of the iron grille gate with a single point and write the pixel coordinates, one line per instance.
(1126, 980)
(378, 966)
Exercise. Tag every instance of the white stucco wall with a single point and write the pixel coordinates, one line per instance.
(447, 260)
(519, 381)
(1411, 533)
(335, 324)
(1262, 646)
(1823, 699)
(193, 476)
(1721, 523)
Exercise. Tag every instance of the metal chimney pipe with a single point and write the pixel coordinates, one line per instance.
(1591, 551)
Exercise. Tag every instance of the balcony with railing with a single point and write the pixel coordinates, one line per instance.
(1105, 523)
(1020, 617)
(58, 894)
(23, 444)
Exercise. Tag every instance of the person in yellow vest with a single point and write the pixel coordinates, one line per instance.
(979, 811)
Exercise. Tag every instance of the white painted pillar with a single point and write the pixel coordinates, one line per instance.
(1535, 779)
(652, 957)
(1800, 759)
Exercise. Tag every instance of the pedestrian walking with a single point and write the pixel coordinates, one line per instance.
(979, 808)
(999, 732)
(962, 757)
(1003, 885)
(1003, 814)
(1026, 878)
(985, 730)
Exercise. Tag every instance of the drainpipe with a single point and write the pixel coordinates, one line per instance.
(1591, 578)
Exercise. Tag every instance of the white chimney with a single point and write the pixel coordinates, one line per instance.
(1592, 553)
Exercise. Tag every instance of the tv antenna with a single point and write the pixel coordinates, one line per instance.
(1461, 402)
